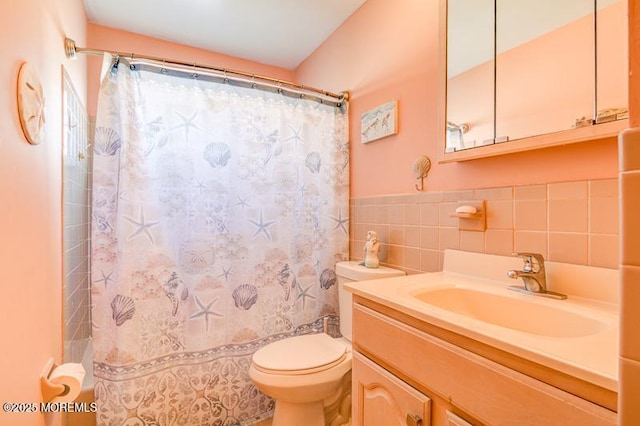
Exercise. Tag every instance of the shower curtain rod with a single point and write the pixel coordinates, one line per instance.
(249, 79)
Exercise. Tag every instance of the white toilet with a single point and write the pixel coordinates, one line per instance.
(307, 373)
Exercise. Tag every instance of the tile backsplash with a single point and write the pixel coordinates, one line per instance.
(572, 222)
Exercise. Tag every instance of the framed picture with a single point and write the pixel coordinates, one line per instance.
(380, 122)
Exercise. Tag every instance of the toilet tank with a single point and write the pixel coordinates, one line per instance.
(349, 271)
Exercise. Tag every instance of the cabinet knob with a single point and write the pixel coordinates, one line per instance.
(414, 420)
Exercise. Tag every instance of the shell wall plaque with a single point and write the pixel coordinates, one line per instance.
(421, 167)
(31, 104)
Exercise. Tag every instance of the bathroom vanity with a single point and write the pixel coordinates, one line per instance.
(419, 363)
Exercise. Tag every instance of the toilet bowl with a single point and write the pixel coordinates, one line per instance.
(309, 376)
(300, 373)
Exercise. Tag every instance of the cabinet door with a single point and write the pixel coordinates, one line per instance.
(381, 399)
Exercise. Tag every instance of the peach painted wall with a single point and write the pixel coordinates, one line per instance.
(389, 50)
(113, 40)
(30, 190)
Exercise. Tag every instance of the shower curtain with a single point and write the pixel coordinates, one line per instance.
(218, 215)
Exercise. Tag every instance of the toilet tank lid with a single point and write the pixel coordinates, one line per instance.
(358, 272)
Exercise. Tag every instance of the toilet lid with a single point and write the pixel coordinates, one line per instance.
(300, 354)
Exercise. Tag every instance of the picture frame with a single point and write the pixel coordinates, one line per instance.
(379, 122)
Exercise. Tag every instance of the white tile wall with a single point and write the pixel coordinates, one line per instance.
(76, 223)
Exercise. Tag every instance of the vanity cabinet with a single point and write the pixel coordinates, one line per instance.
(401, 369)
(385, 400)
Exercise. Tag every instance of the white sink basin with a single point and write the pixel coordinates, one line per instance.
(540, 317)
(470, 297)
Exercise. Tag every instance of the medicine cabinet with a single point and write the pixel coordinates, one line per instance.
(527, 74)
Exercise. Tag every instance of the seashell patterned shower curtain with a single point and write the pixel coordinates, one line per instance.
(218, 215)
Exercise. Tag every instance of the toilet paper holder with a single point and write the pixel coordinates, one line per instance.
(51, 390)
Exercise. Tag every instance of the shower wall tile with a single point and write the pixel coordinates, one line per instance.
(530, 192)
(412, 236)
(444, 217)
(603, 215)
(629, 150)
(568, 248)
(568, 190)
(412, 214)
(629, 213)
(629, 175)
(499, 241)
(603, 188)
(396, 235)
(382, 214)
(429, 214)
(574, 222)
(412, 258)
(395, 256)
(603, 250)
(530, 214)
(429, 261)
(429, 237)
(76, 216)
(630, 386)
(448, 238)
(531, 241)
(472, 241)
(630, 315)
(396, 215)
(500, 214)
(496, 194)
(568, 215)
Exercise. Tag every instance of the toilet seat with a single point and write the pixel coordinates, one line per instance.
(306, 354)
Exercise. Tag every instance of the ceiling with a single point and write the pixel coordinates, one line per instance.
(274, 32)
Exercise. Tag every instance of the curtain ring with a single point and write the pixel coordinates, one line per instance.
(132, 66)
(116, 62)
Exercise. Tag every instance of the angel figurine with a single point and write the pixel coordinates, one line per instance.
(371, 248)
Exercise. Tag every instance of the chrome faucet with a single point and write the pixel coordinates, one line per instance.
(533, 275)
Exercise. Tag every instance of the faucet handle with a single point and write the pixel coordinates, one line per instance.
(530, 259)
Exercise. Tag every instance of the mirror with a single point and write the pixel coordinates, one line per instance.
(470, 73)
(532, 73)
(544, 66)
(612, 44)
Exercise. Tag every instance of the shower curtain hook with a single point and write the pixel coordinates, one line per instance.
(116, 62)
(163, 69)
(195, 73)
(253, 81)
(280, 91)
(226, 79)
(132, 66)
